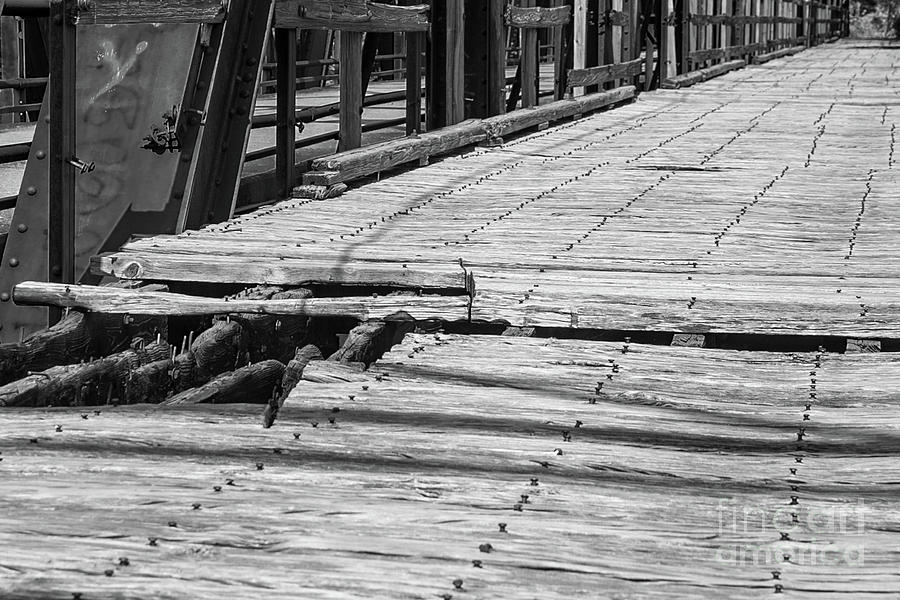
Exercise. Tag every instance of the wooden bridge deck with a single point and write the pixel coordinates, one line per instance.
(658, 485)
(763, 201)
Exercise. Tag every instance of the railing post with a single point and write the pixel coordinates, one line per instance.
(285, 108)
(445, 64)
(350, 134)
(415, 45)
(664, 36)
(683, 34)
(605, 49)
(485, 52)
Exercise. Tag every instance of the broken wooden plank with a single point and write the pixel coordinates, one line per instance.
(328, 371)
(350, 15)
(164, 303)
(251, 384)
(293, 372)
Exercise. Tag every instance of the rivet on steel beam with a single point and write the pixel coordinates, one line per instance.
(22, 228)
(31, 190)
(14, 262)
(40, 155)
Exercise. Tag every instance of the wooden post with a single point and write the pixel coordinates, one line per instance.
(485, 64)
(565, 56)
(446, 77)
(684, 35)
(631, 34)
(580, 37)
(415, 44)
(529, 60)
(351, 90)
(664, 35)
(285, 108)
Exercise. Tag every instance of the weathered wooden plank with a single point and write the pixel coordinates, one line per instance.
(138, 302)
(351, 90)
(380, 157)
(350, 15)
(537, 17)
(117, 12)
(604, 73)
(279, 271)
(400, 489)
(701, 75)
(766, 57)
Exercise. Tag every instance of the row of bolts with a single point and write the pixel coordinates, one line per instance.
(524, 499)
(798, 459)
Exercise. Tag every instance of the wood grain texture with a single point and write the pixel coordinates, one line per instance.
(602, 74)
(114, 301)
(697, 210)
(534, 17)
(669, 486)
(117, 12)
(350, 15)
(701, 75)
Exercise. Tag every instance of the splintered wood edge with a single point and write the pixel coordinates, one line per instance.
(295, 271)
(140, 302)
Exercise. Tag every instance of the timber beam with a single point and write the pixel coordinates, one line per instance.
(118, 12)
(362, 162)
(350, 15)
(538, 18)
(138, 302)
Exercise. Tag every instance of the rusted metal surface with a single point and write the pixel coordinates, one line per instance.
(126, 78)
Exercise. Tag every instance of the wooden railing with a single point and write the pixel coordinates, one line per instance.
(703, 38)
